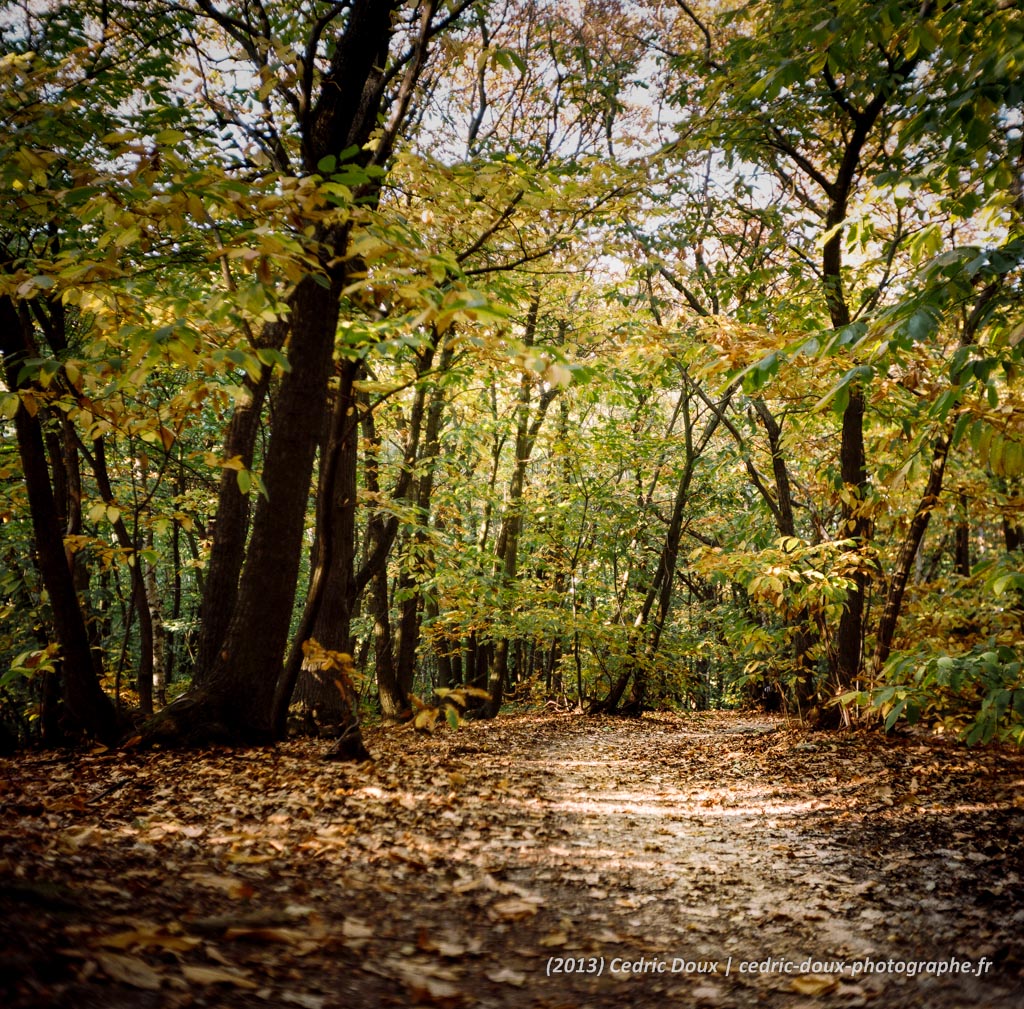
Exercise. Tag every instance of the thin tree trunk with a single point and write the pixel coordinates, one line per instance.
(962, 548)
(412, 597)
(908, 550)
(646, 634)
(507, 546)
(159, 632)
(86, 707)
(140, 599)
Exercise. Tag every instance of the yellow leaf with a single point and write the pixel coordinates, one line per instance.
(149, 937)
(9, 402)
(425, 719)
(814, 984)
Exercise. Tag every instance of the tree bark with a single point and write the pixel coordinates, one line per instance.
(87, 708)
(908, 550)
(140, 598)
(231, 522)
(412, 598)
(328, 610)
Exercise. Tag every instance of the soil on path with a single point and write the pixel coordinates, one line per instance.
(537, 861)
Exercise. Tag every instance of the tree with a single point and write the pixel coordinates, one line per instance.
(824, 112)
(239, 693)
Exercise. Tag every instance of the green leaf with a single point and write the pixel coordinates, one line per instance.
(273, 358)
(894, 714)
(9, 403)
(921, 325)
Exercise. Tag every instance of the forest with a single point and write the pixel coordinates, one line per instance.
(617, 356)
(595, 427)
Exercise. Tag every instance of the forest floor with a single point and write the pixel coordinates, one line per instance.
(549, 862)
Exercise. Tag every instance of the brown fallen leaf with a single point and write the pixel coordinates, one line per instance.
(555, 939)
(304, 999)
(130, 970)
(199, 974)
(302, 941)
(814, 984)
(428, 982)
(448, 944)
(513, 909)
(434, 990)
(508, 976)
(233, 886)
(81, 838)
(356, 928)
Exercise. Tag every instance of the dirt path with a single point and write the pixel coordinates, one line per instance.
(532, 862)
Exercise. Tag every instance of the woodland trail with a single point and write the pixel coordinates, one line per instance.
(464, 869)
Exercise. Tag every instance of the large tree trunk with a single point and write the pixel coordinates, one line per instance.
(241, 697)
(235, 700)
(231, 524)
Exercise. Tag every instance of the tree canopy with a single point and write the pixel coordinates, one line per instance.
(433, 356)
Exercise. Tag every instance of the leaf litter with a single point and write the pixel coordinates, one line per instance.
(503, 863)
